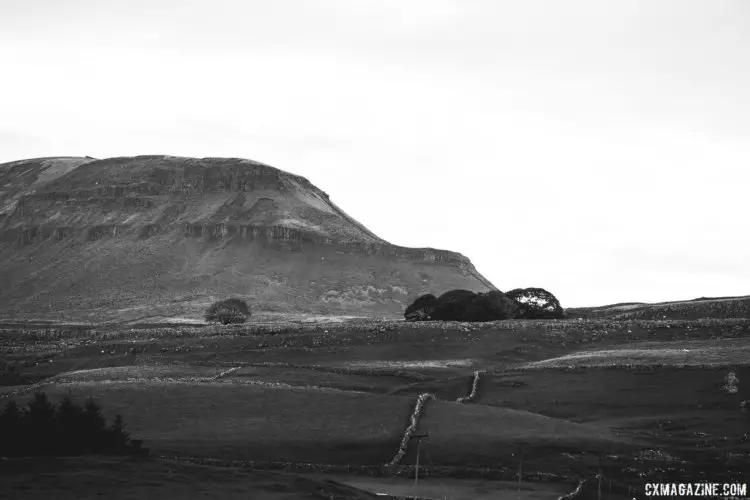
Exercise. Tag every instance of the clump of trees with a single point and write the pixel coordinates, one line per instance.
(536, 303)
(65, 429)
(420, 309)
(465, 305)
(228, 312)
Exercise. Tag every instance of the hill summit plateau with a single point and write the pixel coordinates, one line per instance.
(141, 237)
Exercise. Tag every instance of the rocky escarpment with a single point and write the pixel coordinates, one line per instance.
(136, 234)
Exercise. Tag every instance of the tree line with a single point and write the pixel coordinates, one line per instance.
(65, 429)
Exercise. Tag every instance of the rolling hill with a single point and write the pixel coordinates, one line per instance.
(703, 307)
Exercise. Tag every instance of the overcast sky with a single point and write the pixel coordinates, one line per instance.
(596, 148)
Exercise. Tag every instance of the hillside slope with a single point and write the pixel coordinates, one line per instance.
(704, 307)
(152, 236)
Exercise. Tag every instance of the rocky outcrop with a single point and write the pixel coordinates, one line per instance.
(167, 235)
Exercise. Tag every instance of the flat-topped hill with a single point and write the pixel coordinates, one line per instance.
(155, 236)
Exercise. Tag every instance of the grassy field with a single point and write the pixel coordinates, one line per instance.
(484, 436)
(268, 423)
(457, 489)
(647, 397)
(125, 479)
(253, 423)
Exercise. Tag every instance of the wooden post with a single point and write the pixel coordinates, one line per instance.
(416, 468)
(520, 464)
(419, 438)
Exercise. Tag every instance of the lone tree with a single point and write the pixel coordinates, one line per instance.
(229, 311)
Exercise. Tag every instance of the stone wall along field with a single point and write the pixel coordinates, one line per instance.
(473, 393)
(421, 401)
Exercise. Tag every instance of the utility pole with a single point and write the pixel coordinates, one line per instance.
(419, 438)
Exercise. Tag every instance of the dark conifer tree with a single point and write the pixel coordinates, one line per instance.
(119, 437)
(11, 429)
(70, 426)
(94, 426)
(41, 425)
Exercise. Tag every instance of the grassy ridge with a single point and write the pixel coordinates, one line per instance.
(725, 352)
(704, 307)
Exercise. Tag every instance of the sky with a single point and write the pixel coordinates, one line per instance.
(596, 148)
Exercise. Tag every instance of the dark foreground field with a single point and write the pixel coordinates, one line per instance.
(127, 479)
(637, 400)
(118, 478)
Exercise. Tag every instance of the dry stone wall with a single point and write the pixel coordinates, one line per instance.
(575, 493)
(225, 373)
(473, 393)
(421, 401)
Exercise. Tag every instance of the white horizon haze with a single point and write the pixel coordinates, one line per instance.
(599, 149)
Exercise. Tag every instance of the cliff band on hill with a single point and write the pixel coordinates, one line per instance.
(163, 236)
